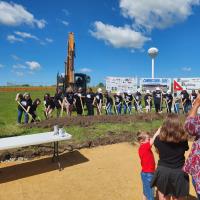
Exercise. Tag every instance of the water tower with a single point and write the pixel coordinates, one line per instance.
(153, 52)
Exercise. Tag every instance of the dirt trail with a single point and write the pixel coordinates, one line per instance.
(103, 173)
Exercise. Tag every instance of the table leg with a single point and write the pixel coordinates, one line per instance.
(56, 155)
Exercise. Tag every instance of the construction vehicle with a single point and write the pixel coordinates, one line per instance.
(70, 78)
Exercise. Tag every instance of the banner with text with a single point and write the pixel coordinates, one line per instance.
(121, 84)
(189, 83)
(151, 84)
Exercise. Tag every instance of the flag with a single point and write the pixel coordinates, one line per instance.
(177, 86)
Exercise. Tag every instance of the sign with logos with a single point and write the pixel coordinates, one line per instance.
(189, 83)
(151, 84)
(121, 84)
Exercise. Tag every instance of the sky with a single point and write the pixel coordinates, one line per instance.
(112, 38)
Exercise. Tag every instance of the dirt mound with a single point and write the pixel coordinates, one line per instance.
(90, 120)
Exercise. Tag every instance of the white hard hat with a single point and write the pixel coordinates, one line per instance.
(168, 92)
(138, 90)
(99, 90)
(128, 92)
(118, 93)
(147, 91)
(157, 88)
(184, 88)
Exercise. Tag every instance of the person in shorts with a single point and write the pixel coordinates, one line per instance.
(147, 162)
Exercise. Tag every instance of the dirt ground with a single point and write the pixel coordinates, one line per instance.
(102, 173)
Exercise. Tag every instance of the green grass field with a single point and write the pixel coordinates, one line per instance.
(9, 127)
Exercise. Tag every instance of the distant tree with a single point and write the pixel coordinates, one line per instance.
(101, 85)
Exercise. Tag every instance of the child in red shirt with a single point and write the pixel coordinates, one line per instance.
(147, 162)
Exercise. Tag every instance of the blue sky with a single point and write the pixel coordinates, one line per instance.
(112, 38)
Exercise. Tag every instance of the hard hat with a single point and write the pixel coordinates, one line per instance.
(138, 90)
(157, 88)
(168, 92)
(147, 91)
(129, 92)
(118, 93)
(184, 88)
(99, 90)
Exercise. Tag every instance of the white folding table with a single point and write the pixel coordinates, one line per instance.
(34, 139)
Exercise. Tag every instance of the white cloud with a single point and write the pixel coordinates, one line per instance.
(50, 40)
(26, 35)
(119, 36)
(13, 38)
(19, 66)
(33, 65)
(1, 66)
(12, 14)
(85, 70)
(65, 22)
(186, 69)
(157, 13)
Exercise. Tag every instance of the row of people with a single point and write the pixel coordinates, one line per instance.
(116, 103)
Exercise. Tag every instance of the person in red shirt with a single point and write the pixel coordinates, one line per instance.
(147, 162)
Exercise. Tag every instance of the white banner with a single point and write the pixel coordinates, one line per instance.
(189, 83)
(121, 84)
(151, 84)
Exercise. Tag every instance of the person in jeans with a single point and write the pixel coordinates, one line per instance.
(192, 164)
(147, 163)
(171, 144)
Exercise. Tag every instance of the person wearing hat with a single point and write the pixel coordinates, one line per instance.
(79, 101)
(98, 101)
(185, 100)
(157, 97)
(128, 98)
(148, 101)
(168, 100)
(118, 103)
(89, 98)
(137, 100)
(108, 103)
(69, 100)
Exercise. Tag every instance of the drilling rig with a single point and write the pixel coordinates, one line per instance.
(70, 78)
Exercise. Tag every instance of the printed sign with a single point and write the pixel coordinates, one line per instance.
(151, 84)
(121, 84)
(189, 83)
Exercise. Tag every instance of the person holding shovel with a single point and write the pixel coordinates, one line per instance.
(168, 101)
(128, 98)
(137, 101)
(33, 109)
(21, 102)
(118, 103)
(185, 100)
(157, 97)
(148, 101)
(98, 101)
(89, 98)
(49, 106)
(108, 103)
(69, 101)
(58, 99)
(79, 101)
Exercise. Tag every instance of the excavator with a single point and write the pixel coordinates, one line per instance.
(70, 78)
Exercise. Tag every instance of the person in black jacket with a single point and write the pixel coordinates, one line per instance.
(79, 101)
(169, 101)
(49, 106)
(118, 103)
(98, 101)
(33, 109)
(157, 97)
(69, 100)
(89, 98)
(58, 101)
(128, 98)
(148, 101)
(108, 103)
(185, 100)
